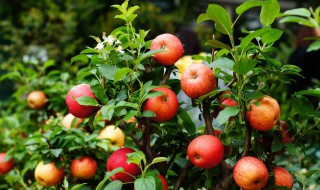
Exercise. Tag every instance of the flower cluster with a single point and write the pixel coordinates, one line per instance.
(109, 41)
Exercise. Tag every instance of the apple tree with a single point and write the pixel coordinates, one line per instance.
(150, 104)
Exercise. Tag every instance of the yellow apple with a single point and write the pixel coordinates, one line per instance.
(114, 135)
(48, 174)
(36, 100)
(71, 121)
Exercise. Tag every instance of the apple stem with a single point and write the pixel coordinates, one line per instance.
(213, 49)
(166, 75)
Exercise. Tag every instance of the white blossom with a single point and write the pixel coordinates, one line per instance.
(110, 40)
(118, 42)
(99, 46)
(119, 49)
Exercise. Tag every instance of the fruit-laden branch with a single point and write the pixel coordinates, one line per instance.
(182, 176)
(166, 75)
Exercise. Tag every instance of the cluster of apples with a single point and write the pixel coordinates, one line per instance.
(249, 172)
(263, 115)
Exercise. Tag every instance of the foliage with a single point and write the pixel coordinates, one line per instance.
(122, 75)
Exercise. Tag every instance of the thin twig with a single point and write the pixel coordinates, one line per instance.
(122, 126)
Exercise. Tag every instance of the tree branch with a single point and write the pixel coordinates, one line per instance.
(166, 75)
(248, 141)
(182, 176)
(207, 117)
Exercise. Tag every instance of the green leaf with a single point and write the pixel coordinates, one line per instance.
(245, 65)
(270, 60)
(298, 12)
(56, 152)
(121, 73)
(107, 176)
(302, 105)
(148, 113)
(202, 17)
(152, 95)
(248, 5)
(99, 92)
(223, 63)
(148, 54)
(313, 92)
(291, 148)
(114, 185)
(314, 46)
(218, 44)
(87, 101)
(258, 33)
(271, 36)
(221, 18)
(185, 121)
(159, 159)
(76, 187)
(108, 110)
(147, 183)
(311, 173)
(136, 157)
(48, 63)
(107, 71)
(269, 12)
(297, 19)
(16, 76)
(82, 58)
(225, 114)
(89, 51)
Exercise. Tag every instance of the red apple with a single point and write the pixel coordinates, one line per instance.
(205, 151)
(119, 159)
(173, 47)
(84, 167)
(264, 113)
(163, 181)
(250, 173)
(197, 80)
(164, 106)
(48, 174)
(37, 100)
(5, 166)
(76, 109)
(282, 177)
